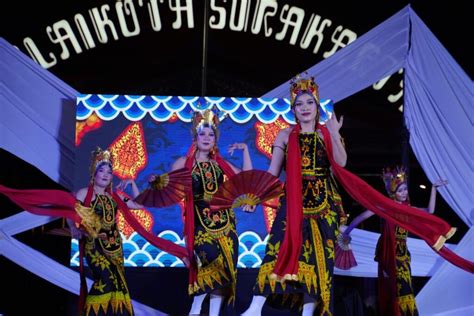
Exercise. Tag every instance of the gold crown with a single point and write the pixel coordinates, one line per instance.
(99, 157)
(393, 178)
(206, 118)
(300, 85)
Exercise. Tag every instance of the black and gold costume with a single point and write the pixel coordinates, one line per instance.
(109, 294)
(215, 237)
(406, 297)
(322, 214)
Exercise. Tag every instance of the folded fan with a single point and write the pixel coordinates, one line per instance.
(344, 255)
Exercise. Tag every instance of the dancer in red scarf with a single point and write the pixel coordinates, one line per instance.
(396, 295)
(297, 271)
(102, 246)
(92, 218)
(304, 230)
(211, 237)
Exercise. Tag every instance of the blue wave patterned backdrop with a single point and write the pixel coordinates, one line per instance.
(139, 253)
(166, 140)
(161, 108)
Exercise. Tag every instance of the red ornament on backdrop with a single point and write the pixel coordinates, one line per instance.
(129, 152)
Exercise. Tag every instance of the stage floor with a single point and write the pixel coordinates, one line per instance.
(165, 289)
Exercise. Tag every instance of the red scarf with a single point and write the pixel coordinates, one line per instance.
(430, 228)
(189, 212)
(286, 267)
(61, 204)
(44, 202)
(387, 271)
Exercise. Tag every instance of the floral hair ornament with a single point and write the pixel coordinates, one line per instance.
(393, 177)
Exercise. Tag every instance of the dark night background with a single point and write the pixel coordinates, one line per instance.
(169, 62)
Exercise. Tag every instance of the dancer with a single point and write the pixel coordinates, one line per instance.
(297, 271)
(210, 235)
(288, 253)
(396, 295)
(91, 215)
(103, 250)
